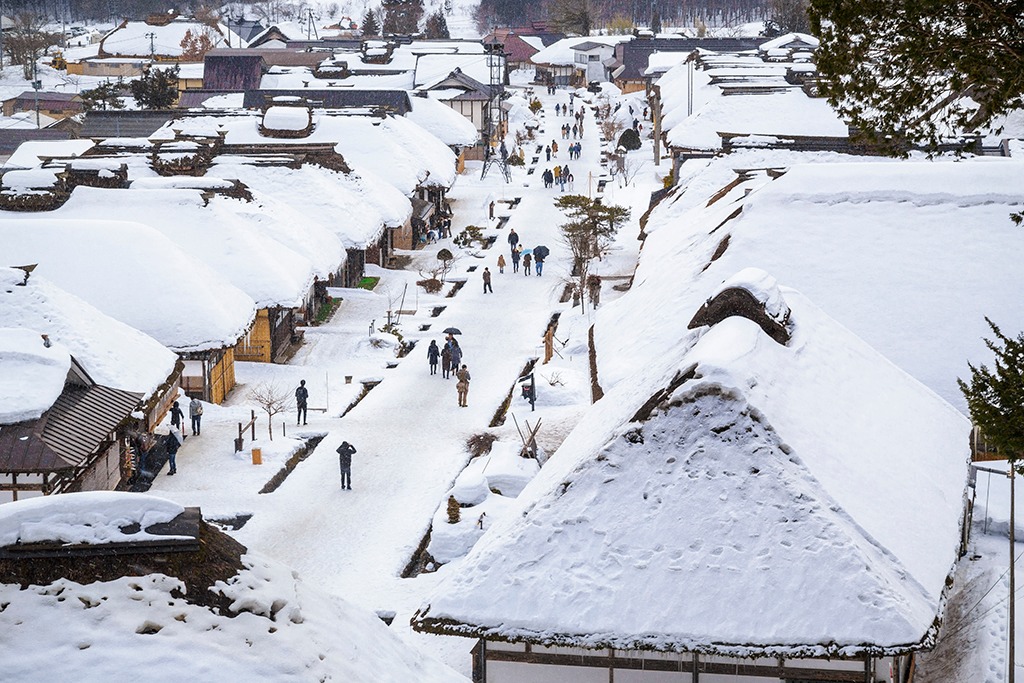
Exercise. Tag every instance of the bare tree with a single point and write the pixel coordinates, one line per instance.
(272, 399)
(630, 168)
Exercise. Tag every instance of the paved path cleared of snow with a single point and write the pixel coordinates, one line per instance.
(409, 431)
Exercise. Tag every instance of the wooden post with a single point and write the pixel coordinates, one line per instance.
(252, 423)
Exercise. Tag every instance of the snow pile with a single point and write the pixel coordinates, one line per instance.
(33, 375)
(286, 118)
(31, 153)
(92, 518)
(704, 470)
(30, 180)
(114, 354)
(484, 492)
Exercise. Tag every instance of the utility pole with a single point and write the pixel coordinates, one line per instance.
(1013, 519)
(152, 46)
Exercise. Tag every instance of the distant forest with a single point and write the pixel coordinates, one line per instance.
(490, 12)
(607, 13)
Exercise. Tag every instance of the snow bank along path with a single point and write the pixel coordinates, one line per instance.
(409, 431)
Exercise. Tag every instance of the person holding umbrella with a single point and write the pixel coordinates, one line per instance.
(539, 254)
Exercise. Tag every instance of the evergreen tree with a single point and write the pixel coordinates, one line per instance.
(370, 25)
(103, 96)
(436, 26)
(995, 398)
(454, 511)
(571, 16)
(787, 16)
(656, 21)
(156, 89)
(402, 16)
(920, 71)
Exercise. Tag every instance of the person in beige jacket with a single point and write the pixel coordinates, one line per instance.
(463, 385)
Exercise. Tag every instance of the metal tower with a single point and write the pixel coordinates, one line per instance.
(495, 118)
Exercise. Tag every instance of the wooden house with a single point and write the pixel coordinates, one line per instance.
(704, 527)
(56, 105)
(77, 444)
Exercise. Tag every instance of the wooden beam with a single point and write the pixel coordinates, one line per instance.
(693, 666)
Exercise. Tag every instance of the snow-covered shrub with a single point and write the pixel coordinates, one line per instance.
(454, 511)
(629, 140)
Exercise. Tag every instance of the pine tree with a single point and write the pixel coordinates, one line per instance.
(402, 16)
(370, 25)
(436, 26)
(156, 89)
(995, 398)
(919, 71)
(454, 511)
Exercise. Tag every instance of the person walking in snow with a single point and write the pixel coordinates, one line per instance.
(446, 359)
(345, 452)
(456, 354)
(501, 263)
(301, 397)
(177, 415)
(513, 239)
(547, 151)
(487, 281)
(515, 260)
(433, 354)
(526, 264)
(172, 442)
(195, 412)
(462, 386)
(538, 263)
(575, 131)
(554, 148)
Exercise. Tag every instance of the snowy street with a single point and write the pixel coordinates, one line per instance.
(409, 431)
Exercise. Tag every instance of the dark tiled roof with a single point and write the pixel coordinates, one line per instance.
(271, 56)
(67, 434)
(236, 70)
(125, 124)
(395, 101)
(633, 54)
(11, 138)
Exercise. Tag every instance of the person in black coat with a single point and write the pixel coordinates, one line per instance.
(345, 452)
(433, 354)
(177, 415)
(513, 239)
(171, 444)
(301, 399)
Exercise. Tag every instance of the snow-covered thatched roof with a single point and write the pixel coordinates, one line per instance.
(113, 353)
(699, 505)
(219, 614)
(910, 255)
(134, 274)
(443, 122)
(265, 268)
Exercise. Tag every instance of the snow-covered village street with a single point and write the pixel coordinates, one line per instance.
(729, 432)
(409, 430)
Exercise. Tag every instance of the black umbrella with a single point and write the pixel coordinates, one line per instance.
(452, 330)
(541, 252)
